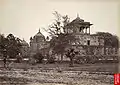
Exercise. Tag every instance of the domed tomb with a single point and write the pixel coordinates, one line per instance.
(39, 37)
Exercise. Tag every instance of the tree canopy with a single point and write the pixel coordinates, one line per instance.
(109, 39)
(60, 40)
(11, 44)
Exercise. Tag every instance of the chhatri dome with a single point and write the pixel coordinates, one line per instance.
(39, 34)
(78, 19)
(38, 37)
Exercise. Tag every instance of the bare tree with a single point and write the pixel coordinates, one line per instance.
(59, 23)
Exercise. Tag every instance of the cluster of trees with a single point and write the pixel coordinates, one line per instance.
(109, 39)
(10, 45)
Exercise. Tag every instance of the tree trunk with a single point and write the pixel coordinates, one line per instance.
(104, 47)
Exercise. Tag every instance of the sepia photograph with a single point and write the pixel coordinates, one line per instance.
(59, 42)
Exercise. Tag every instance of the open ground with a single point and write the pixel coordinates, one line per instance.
(58, 74)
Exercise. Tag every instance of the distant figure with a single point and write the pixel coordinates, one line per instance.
(5, 58)
(5, 62)
(19, 58)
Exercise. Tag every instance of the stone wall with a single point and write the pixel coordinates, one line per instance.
(83, 39)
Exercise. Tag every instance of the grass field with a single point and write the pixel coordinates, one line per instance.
(54, 74)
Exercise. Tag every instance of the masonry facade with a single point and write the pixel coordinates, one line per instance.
(86, 43)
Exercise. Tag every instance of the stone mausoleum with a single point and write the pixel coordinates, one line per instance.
(38, 43)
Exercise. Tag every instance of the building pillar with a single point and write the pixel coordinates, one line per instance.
(86, 30)
(89, 30)
(82, 30)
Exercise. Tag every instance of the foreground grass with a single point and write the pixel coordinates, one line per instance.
(64, 77)
(40, 74)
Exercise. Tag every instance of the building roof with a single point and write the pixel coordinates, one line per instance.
(80, 21)
(76, 23)
(77, 20)
(39, 34)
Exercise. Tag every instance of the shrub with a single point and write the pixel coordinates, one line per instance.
(38, 57)
(51, 60)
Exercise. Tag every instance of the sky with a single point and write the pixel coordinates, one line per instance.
(23, 18)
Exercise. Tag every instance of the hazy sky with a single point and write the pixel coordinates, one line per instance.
(23, 18)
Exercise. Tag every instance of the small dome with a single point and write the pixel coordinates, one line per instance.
(39, 34)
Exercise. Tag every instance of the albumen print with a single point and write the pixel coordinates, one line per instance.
(59, 42)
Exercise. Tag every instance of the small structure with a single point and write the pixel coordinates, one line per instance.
(38, 43)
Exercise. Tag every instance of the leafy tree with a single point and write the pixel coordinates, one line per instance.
(3, 48)
(60, 41)
(3, 43)
(58, 25)
(11, 44)
(109, 40)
